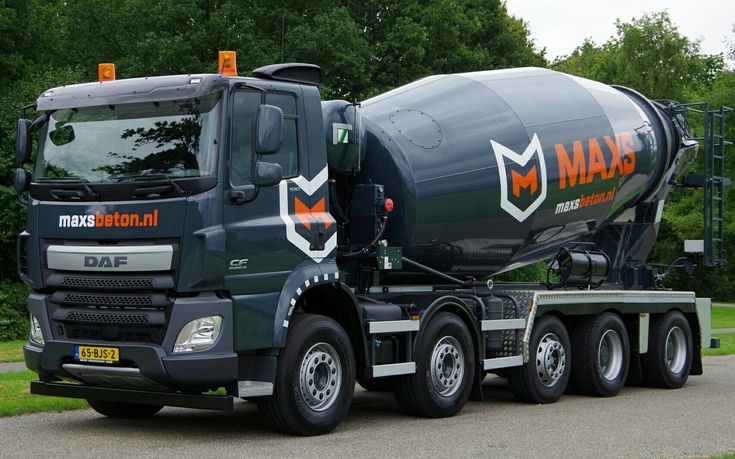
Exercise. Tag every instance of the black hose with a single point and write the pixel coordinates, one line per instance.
(366, 249)
(336, 208)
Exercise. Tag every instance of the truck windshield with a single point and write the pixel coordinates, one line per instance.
(175, 138)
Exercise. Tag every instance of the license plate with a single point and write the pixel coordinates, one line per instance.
(96, 354)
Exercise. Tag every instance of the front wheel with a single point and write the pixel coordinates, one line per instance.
(445, 370)
(315, 378)
(546, 375)
(669, 358)
(124, 410)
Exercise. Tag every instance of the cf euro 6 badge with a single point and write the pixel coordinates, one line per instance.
(238, 264)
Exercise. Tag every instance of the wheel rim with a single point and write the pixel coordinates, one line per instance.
(676, 350)
(610, 355)
(320, 376)
(447, 366)
(551, 360)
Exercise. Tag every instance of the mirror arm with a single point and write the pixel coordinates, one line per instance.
(22, 198)
(39, 121)
(25, 108)
(263, 92)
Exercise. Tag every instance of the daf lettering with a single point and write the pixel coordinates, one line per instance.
(105, 262)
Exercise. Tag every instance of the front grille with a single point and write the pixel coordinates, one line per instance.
(111, 307)
(108, 300)
(126, 336)
(107, 283)
(112, 300)
(106, 318)
(133, 324)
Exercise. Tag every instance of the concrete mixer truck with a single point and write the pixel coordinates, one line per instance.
(196, 233)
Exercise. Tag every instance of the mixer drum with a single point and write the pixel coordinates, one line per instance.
(492, 170)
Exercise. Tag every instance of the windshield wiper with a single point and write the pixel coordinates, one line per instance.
(80, 180)
(179, 190)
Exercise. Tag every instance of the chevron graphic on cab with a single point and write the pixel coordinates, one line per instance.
(303, 209)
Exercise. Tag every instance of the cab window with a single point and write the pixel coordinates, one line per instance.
(244, 112)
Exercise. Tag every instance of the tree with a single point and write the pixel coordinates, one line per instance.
(364, 47)
(648, 54)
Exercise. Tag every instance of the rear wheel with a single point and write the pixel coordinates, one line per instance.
(315, 378)
(445, 369)
(124, 410)
(669, 358)
(546, 375)
(601, 355)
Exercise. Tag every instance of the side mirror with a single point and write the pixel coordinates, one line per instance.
(22, 180)
(23, 142)
(267, 174)
(268, 129)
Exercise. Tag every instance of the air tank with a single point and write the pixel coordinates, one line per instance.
(492, 170)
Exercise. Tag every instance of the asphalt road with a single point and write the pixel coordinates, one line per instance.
(698, 420)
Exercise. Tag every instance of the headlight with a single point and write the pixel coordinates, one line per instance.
(36, 335)
(199, 334)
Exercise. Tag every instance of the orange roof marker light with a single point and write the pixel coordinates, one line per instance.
(227, 64)
(106, 72)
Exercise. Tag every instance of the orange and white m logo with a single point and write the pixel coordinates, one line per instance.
(530, 180)
(534, 179)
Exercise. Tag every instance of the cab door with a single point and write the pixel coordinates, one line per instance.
(259, 258)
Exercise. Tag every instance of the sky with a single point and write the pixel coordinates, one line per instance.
(562, 25)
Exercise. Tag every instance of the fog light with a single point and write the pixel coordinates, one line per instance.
(199, 334)
(36, 335)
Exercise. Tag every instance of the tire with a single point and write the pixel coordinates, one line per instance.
(124, 410)
(445, 370)
(670, 349)
(315, 378)
(546, 375)
(601, 355)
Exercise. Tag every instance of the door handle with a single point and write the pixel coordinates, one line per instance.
(242, 195)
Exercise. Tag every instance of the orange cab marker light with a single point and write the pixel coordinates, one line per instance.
(227, 63)
(106, 72)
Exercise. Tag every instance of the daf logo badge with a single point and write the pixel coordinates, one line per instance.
(91, 261)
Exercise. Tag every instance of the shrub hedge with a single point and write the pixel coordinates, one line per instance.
(13, 312)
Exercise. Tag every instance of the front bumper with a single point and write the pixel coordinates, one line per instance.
(141, 365)
(209, 402)
(155, 368)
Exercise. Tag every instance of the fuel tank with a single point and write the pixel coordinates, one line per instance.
(492, 170)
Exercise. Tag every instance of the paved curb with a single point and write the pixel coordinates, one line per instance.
(12, 366)
(723, 330)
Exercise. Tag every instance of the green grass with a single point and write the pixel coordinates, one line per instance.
(727, 345)
(15, 396)
(11, 351)
(723, 317)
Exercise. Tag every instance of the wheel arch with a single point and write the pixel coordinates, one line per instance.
(338, 302)
(461, 309)
(303, 278)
